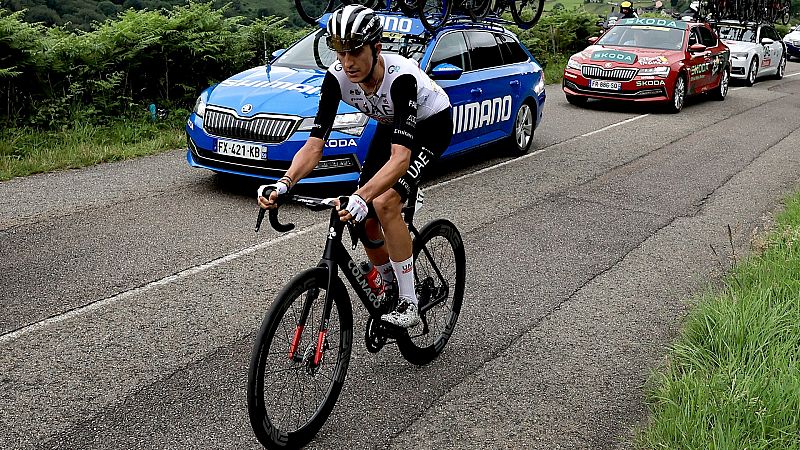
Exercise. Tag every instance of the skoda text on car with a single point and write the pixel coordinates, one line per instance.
(649, 60)
(253, 123)
(756, 49)
(792, 41)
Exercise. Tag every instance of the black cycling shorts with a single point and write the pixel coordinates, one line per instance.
(431, 139)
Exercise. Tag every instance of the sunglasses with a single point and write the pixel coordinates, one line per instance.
(338, 44)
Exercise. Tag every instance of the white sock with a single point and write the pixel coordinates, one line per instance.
(404, 271)
(387, 273)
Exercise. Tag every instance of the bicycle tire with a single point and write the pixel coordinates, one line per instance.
(409, 7)
(269, 403)
(786, 12)
(433, 13)
(311, 10)
(480, 9)
(438, 249)
(526, 17)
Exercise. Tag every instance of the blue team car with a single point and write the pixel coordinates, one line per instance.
(254, 122)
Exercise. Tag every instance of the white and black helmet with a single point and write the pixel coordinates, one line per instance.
(351, 27)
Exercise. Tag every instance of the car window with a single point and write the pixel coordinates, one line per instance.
(451, 49)
(694, 37)
(510, 49)
(484, 50)
(771, 33)
(663, 38)
(734, 33)
(707, 38)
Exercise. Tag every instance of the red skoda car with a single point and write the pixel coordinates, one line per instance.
(650, 60)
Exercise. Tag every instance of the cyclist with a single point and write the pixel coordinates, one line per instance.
(414, 128)
(626, 9)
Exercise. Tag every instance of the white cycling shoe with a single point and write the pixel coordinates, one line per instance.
(406, 315)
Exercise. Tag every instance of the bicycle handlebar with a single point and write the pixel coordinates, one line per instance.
(314, 203)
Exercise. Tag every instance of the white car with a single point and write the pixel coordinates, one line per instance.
(792, 42)
(756, 50)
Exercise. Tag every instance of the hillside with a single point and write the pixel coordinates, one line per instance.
(82, 13)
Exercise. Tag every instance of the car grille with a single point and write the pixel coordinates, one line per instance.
(600, 73)
(267, 128)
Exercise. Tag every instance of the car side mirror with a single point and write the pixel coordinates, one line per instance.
(277, 53)
(593, 39)
(446, 71)
(767, 41)
(697, 48)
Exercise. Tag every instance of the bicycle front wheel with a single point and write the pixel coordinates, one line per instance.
(526, 12)
(439, 274)
(296, 373)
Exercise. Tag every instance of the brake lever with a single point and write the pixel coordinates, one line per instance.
(273, 215)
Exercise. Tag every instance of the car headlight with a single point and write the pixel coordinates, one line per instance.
(539, 86)
(738, 55)
(200, 106)
(349, 123)
(660, 71)
(572, 64)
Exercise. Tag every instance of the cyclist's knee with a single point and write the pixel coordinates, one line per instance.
(387, 204)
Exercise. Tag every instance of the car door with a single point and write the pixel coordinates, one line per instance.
(491, 99)
(775, 49)
(698, 63)
(716, 55)
(451, 48)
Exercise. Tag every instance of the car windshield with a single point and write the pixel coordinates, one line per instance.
(313, 53)
(736, 33)
(663, 38)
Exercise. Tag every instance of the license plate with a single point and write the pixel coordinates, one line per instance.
(241, 149)
(602, 84)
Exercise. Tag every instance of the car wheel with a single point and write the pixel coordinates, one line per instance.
(781, 68)
(721, 90)
(678, 95)
(753, 72)
(524, 127)
(576, 100)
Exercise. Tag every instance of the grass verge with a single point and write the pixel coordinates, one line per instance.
(25, 151)
(732, 380)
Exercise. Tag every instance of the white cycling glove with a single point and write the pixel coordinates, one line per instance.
(279, 186)
(357, 207)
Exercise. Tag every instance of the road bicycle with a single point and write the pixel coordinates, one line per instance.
(435, 13)
(302, 351)
(312, 10)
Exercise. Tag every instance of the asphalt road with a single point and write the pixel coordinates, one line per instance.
(131, 291)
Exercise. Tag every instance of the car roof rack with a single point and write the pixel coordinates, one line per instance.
(489, 23)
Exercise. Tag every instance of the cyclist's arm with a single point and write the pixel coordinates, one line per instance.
(310, 153)
(404, 97)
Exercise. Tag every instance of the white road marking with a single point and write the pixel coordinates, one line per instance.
(614, 125)
(792, 75)
(154, 284)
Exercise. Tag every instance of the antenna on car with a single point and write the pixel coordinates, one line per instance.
(267, 60)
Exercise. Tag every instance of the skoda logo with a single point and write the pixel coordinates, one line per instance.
(247, 108)
(606, 65)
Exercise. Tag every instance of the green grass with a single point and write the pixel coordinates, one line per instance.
(732, 380)
(25, 151)
(554, 68)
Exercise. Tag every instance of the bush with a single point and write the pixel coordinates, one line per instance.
(51, 77)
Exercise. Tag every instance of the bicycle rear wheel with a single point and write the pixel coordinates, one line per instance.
(526, 12)
(439, 273)
(311, 10)
(291, 391)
